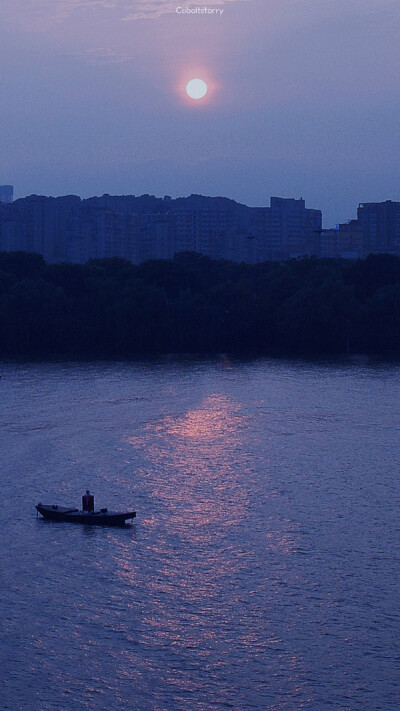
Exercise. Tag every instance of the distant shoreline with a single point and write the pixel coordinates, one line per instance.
(224, 360)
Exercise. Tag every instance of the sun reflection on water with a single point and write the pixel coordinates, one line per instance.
(194, 458)
(193, 600)
(200, 493)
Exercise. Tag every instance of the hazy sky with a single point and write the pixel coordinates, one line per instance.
(304, 99)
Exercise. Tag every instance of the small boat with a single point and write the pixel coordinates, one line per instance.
(87, 514)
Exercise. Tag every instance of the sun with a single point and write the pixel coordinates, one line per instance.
(196, 89)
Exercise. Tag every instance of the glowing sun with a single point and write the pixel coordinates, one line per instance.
(196, 89)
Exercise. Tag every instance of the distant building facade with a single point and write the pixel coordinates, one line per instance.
(142, 228)
(37, 224)
(380, 222)
(345, 241)
(289, 229)
(376, 230)
(6, 193)
(68, 229)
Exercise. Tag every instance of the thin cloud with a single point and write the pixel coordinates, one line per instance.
(39, 14)
(98, 56)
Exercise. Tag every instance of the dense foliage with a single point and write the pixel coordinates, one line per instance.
(114, 309)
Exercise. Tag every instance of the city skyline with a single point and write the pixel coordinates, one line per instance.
(145, 227)
(298, 104)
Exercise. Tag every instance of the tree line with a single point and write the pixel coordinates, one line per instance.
(110, 308)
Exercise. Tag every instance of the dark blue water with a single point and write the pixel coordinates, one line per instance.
(263, 568)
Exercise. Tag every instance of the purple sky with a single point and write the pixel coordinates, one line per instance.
(305, 99)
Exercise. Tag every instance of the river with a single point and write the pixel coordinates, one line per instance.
(262, 570)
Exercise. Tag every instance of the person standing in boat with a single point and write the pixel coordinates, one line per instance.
(88, 502)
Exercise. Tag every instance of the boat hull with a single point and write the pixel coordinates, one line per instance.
(95, 518)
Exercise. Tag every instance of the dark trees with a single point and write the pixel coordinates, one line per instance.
(114, 309)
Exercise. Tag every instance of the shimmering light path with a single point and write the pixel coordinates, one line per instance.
(262, 570)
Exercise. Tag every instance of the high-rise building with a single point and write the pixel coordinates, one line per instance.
(344, 241)
(37, 224)
(6, 193)
(285, 229)
(380, 222)
(155, 239)
(214, 226)
(145, 227)
(292, 228)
